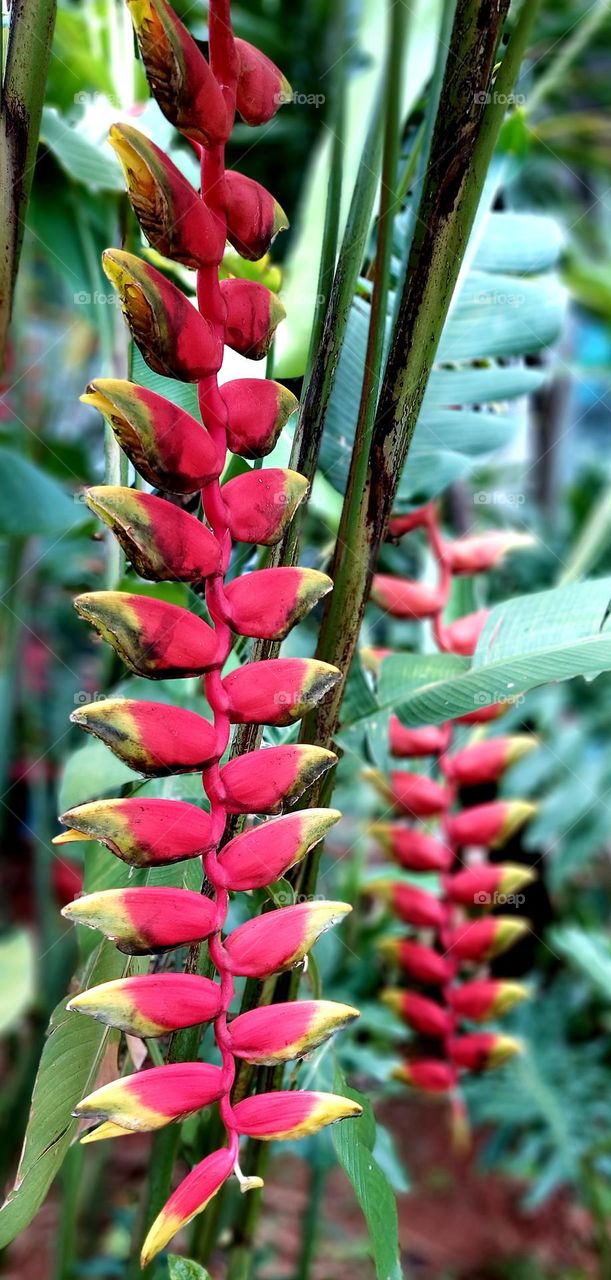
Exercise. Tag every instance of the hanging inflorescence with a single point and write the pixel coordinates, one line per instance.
(432, 829)
(177, 455)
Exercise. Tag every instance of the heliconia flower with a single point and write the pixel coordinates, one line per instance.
(151, 1004)
(483, 1050)
(483, 714)
(143, 832)
(487, 761)
(104, 1131)
(190, 1198)
(264, 783)
(145, 920)
(404, 598)
(262, 88)
(258, 410)
(412, 793)
(180, 78)
(423, 1014)
(162, 542)
(429, 1075)
(261, 504)
(170, 448)
(478, 885)
(279, 940)
(404, 742)
(489, 824)
(420, 961)
(175, 340)
(398, 525)
(278, 1033)
(253, 315)
(415, 906)
(277, 691)
(484, 998)
(254, 218)
(256, 858)
(176, 221)
(151, 1099)
(483, 939)
(154, 639)
(291, 1113)
(462, 636)
(265, 604)
(151, 737)
(477, 553)
(412, 848)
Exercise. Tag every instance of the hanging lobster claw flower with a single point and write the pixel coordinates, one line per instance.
(487, 761)
(480, 885)
(261, 504)
(175, 340)
(278, 1033)
(489, 824)
(256, 858)
(172, 450)
(162, 542)
(481, 940)
(151, 1004)
(277, 691)
(253, 315)
(420, 961)
(262, 88)
(412, 848)
(190, 1198)
(266, 604)
(279, 940)
(257, 411)
(485, 998)
(484, 714)
(151, 1099)
(421, 1013)
(428, 1075)
(404, 598)
(478, 553)
(151, 737)
(483, 1050)
(463, 635)
(143, 833)
(414, 906)
(254, 218)
(428, 741)
(154, 639)
(146, 920)
(264, 782)
(176, 221)
(411, 793)
(291, 1113)
(180, 78)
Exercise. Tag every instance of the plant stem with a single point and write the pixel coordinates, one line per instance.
(311, 1219)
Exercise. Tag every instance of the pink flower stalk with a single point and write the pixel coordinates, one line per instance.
(179, 455)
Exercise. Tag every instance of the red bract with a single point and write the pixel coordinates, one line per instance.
(150, 737)
(253, 315)
(462, 636)
(262, 88)
(405, 599)
(414, 849)
(267, 604)
(486, 761)
(257, 410)
(142, 832)
(161, 541)
(404, 742)
(489, 824)
(153, 638)
(254, 218)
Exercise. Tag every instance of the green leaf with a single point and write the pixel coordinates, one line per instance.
(95, 167)
(354, 1141)
(17, 977)
(185, 1269)
(589, 951)
(32, 502)
(90, 772)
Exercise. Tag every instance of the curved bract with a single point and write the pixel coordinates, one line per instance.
(179, 455)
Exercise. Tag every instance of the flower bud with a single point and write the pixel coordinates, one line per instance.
(254, 218)
(279, 940)
(151, 1099)
(414, 906)
(429, 741)
(257, 411)
(190, 1198)
(421, 962)
(261, 504)
(278, 1033)
(478, 885)
(485, 998)
(267, 603)
(277, 691)
(256, 858)
(156, 640)
(489, 824)
(151, 1004)
(143, 832)
(481, 940)
(169, 448)
(483, 1050)
(480, 552)
(180, 78)
(487, 761)
(162, 542)
(462, 636)
(428, 1075)
(173, 217)
(404, 598)
(291, 1114)
(264, 783)
(262, 88)
(253, 315)
(483, 714)
(424, 1015)
(412, 793)
(146, 920)
(412, 848)
(399, 525)
(151, 737)
(175, 340)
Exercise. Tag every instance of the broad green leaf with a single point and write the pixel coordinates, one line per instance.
(94, 166)
(90, 772)
(32, 502)
(354, 1141)
(590, 952)
(185, 1269)
(17, 977)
